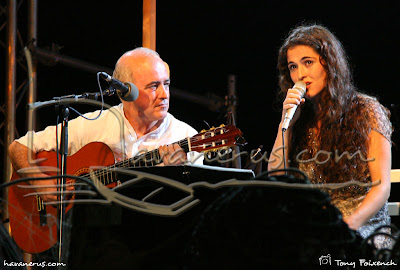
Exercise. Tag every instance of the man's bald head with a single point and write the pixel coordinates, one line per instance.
(130, 62)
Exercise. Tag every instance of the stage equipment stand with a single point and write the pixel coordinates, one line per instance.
(231, 102)
(62, 106)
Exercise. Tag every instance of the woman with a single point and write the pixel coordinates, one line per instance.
(341, 135)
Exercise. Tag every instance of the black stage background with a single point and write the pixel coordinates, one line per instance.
(204, 42)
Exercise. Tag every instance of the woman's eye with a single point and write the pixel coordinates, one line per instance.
(309, 62)
(291, 67)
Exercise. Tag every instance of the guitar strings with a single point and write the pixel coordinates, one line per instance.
(150, 154)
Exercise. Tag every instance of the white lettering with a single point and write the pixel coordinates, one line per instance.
(343, 263)
(30, 264)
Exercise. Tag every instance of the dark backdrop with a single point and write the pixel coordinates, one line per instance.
(204, 42)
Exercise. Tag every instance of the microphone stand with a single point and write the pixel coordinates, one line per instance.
(94, 96)
(283, 150)
(61, 186)
(62, 105)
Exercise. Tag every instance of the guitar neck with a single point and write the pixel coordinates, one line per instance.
(150, 158)
(207, 140)
(107, 175)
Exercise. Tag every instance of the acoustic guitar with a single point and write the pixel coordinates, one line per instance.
(34, 226)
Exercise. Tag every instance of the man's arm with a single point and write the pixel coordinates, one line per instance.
(21, 156)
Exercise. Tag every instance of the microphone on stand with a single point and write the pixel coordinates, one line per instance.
(126, 91)
(301, 86)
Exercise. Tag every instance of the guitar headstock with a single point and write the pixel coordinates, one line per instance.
(217, 138)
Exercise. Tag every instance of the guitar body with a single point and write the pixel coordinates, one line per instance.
(35, 231)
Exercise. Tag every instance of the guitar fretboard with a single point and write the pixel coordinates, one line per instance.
(107, 175)
(215, 138)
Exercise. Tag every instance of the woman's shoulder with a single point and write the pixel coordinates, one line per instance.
(372, 106)
(377, 114)
(367, 99)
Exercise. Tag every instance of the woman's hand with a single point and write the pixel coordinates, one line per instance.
(353, 223)
(293, 98)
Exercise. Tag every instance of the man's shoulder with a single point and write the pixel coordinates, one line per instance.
(178, 124)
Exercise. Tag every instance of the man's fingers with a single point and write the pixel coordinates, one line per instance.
(50, 187)
(172, 154)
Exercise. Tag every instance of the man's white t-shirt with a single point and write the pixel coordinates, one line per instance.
(114, 130)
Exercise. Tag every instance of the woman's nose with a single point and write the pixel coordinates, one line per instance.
(302, 73)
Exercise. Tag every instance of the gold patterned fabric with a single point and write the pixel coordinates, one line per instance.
(348, 199)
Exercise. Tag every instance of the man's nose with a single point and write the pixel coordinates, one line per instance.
(163, 91)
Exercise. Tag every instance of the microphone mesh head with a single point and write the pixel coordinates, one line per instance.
(301, 86)
(133, 93)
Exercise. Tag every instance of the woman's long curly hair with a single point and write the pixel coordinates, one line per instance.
(344, 124)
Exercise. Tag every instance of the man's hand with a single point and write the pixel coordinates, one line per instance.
(172, 154)
(48, 186)
(19, 158)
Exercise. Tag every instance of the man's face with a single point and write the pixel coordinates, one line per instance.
(151, 76)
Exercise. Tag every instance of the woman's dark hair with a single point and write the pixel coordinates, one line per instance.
(344, 127)
(332, 57)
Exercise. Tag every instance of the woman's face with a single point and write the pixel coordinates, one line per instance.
(304, 64)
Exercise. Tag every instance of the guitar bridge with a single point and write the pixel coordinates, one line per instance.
(42, 211)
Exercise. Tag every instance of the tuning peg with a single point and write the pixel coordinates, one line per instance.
(203, 131)
(222, 125)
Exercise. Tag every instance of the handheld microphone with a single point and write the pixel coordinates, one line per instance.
(301, 86)
(126, 91)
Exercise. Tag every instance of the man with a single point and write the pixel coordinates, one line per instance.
(146, 121)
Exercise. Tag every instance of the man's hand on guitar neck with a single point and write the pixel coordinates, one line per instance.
(172, 154)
